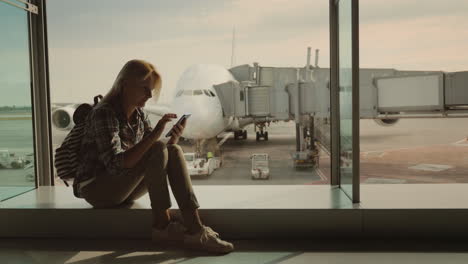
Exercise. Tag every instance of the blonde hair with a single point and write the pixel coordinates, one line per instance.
(136, 69)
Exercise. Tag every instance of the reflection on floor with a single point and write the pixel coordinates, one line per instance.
(143, 251)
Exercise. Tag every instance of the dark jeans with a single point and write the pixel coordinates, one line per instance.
(149, 175)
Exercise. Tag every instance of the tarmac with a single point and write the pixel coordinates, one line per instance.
(236, 161)
(415, 151)
(411, 151)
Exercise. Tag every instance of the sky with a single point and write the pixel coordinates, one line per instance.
(14, 57)
(89, 41)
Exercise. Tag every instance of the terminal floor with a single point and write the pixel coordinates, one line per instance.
(51, 251)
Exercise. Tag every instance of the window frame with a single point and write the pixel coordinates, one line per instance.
(40, 90)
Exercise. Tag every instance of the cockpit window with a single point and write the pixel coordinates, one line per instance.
(197, 92)
(212, 94)
(207, 93)
(179, 93)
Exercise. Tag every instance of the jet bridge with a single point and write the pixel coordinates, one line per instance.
(270, 94)
(409, 93)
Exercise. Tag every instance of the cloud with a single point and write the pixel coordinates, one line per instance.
(251, 14)
(422, 43)
(376, 11)
(83, 72)
(80, 75)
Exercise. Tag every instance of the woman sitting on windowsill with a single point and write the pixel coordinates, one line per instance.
(122, 158)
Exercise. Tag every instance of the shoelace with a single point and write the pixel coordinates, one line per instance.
(207, 234)
(211, 231)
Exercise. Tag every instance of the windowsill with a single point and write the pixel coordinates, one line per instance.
(209, 197)
(373, 196)
(414, 196)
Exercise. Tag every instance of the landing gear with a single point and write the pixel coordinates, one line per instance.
(203, 146)
(240, 134)
(261, 134)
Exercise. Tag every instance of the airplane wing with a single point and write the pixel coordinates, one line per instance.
(54, 106)
(157, 109)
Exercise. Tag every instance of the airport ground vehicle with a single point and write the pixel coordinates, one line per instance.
(260, 169)
(10, 160)
(29, 173)
(201, 166)
(305, 159)
(28, 158)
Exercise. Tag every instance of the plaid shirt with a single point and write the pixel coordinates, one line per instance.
(108, 134)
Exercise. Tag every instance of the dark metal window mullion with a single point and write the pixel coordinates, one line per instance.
(41, 97)
(32, 97)
(356, 108)
(334, 96)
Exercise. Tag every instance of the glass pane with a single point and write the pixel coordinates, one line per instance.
(432, 148)
(17, 173)
(345, 86)
(223, 134)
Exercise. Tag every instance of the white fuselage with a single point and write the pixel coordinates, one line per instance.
(196, 95)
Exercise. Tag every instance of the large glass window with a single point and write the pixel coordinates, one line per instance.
(17, 172)
(248, 134)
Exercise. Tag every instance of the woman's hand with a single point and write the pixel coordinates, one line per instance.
(158, 130)
(177, 132)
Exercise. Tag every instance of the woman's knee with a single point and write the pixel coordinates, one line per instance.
(156, 155)
(158, 150)
(174, 148)
(158, 146)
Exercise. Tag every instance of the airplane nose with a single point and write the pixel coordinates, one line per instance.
(205, 122)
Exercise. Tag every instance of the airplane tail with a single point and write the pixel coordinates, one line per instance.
(233, 46)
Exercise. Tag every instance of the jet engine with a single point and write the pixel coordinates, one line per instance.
(386, 122)
(62, 118)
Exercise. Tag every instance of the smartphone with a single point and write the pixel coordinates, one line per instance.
(181, 119)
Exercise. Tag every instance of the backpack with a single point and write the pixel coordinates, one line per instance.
(66, 156)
